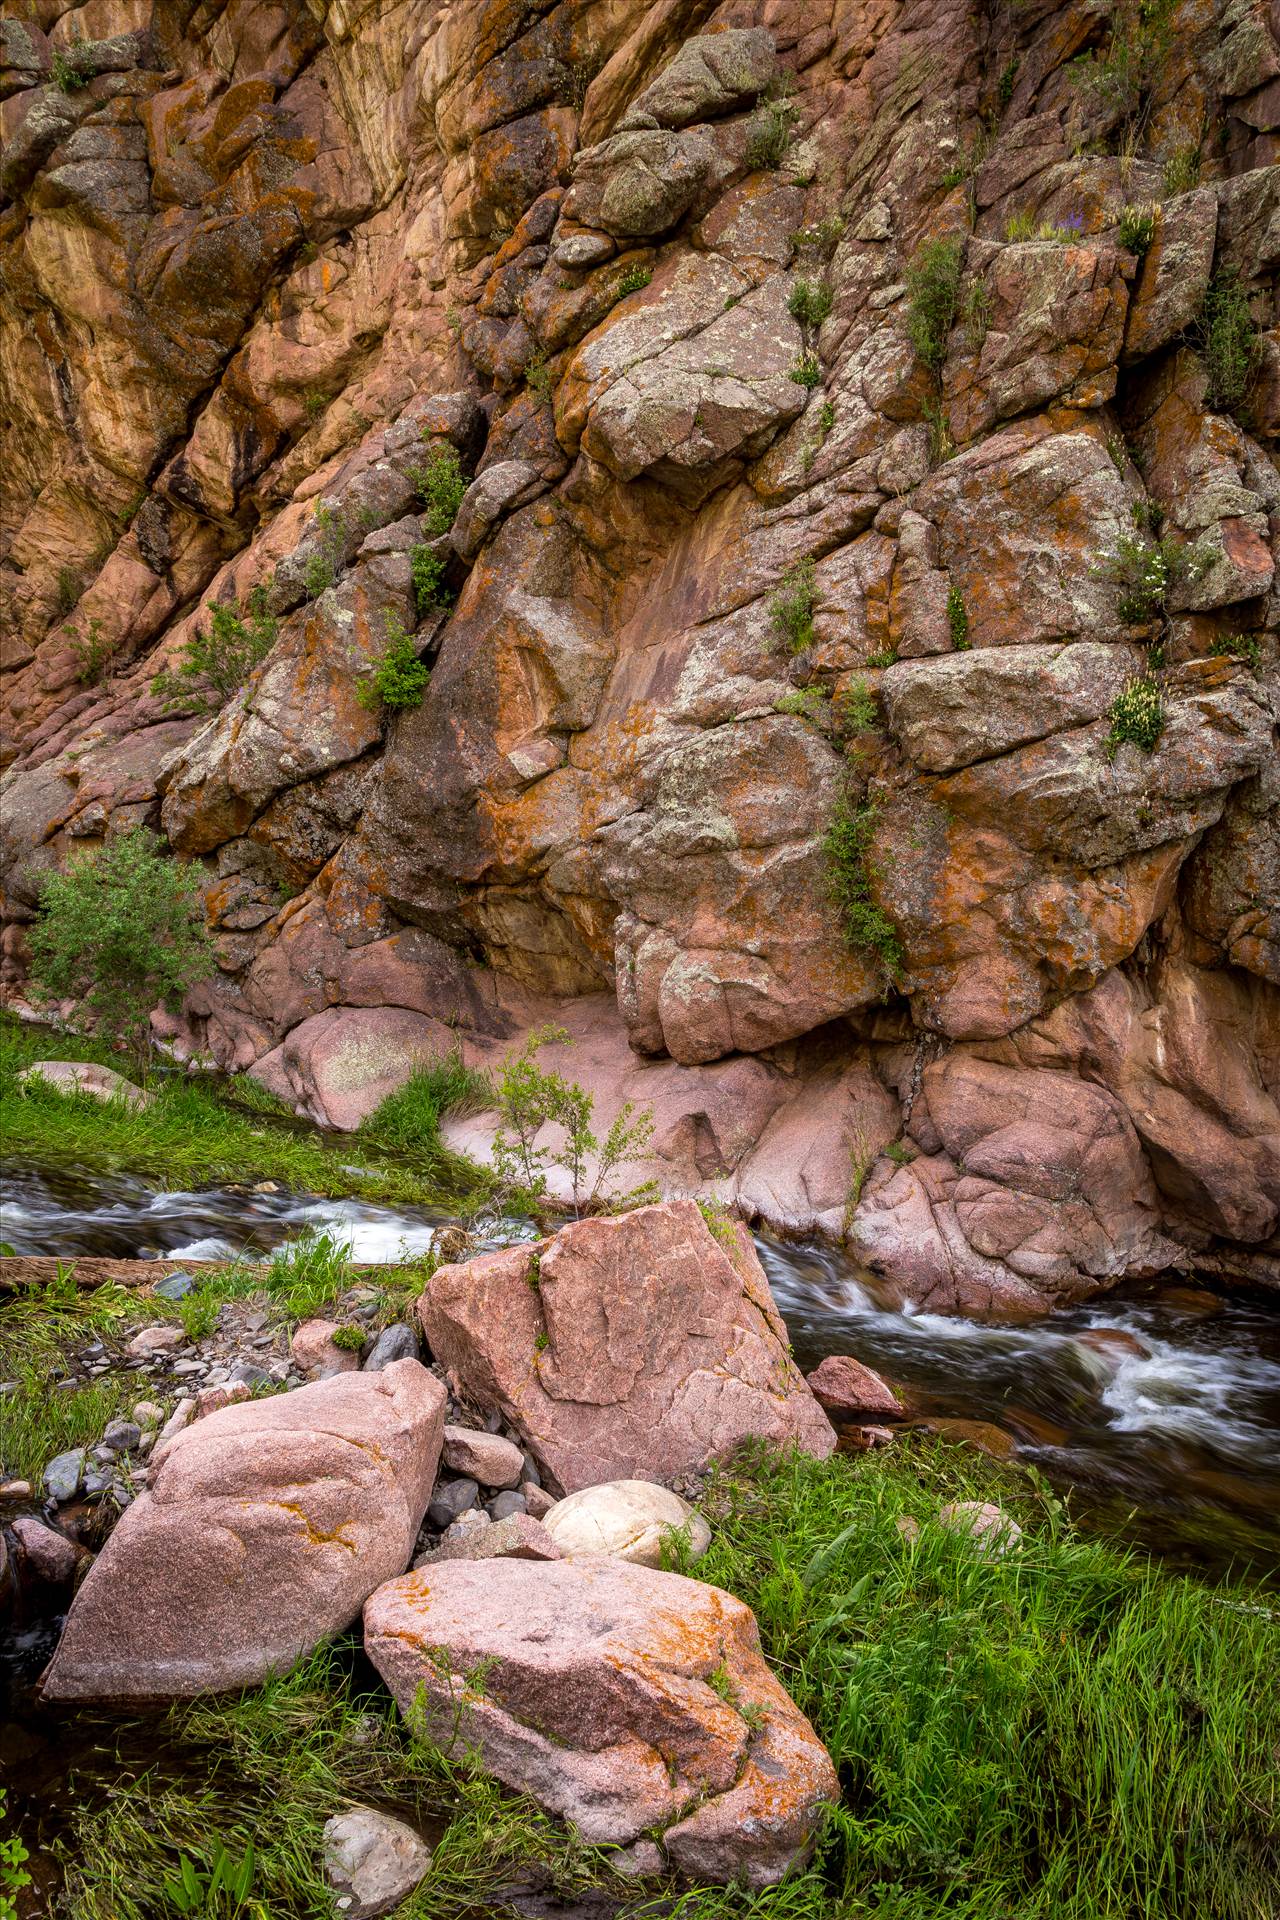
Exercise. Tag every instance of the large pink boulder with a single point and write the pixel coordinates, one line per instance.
(266, 1528)
(634, 1348)
(626, 1700)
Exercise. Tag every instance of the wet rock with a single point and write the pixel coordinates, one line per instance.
(598, 1669)
(629, 1519)
(64, 1475)
(398, 1342)
(506, 1503)
(847, 1390)
(452, 1497)
(982, 1434)
(640, 1345)
(51, 1557)
(174, 1286)
(265, 1528)
(372, 1861)
(74, 1076)
(484, 1457)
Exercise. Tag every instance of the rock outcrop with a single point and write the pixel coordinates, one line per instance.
(846, 410)
(629, 1702)
(642, 1347)
(266, 1527)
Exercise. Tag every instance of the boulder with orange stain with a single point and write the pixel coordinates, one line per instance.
(628, 1701)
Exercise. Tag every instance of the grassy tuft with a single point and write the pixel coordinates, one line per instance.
(199, 1132)
(851, 870)
(933, 288)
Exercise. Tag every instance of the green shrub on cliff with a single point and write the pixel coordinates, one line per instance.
(1227, 339)
(531, 1098)
(851, 871)
(1137, 715)
(399, 678)
(121, 931)
(792, 606)
(215, 662)
(933, 289)
(441, 483)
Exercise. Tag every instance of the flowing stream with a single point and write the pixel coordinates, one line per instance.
(1157, 1410)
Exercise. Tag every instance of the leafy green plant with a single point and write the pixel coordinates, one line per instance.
(216, 1891)
(529, 1098)
(1007, 81)
(933, 288)
(769, 134)
(538, 376)
(822, 237)
(1226, 337)
(882, 657)
(806, 703)
(958, 619)
(321, 568)
(854, 710)
(215, 662)
(1245, 647)
(121, 931)
(13, 1858)
(900, 1153)
(1122, 78)
(792, 606)
(426, 569)
(349, 1339)
(633, 280)
(1182, 169)
(809, 302)
(1145, 570)
(441, 483)
(1136, 227)
(851, 872)
(65, 75)
(807, 371)
(315, 403)
(399, 678)
(92, 653)
(307, 1272)
(941, 443)
(70, 587)
(976, 310)
(1136, 714)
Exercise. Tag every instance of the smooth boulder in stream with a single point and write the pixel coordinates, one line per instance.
(266, 1528)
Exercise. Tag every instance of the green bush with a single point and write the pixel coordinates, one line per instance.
(427, 571)
(1245, 647)
(399, 678)
(1145, 569)
(214, 664)
(957, 619)
(933, 287)
(91, 655)
(822, 238)
(1136, 714)
(121, 931)
(855, 710)
(769, 134)
(1123, 78)
(806, 703)
(1136, 227)
(1182, 169)
(441, 483)
(809, 302)
(807, 371)
(791, 608)
(1226, 337)
(65, 75)
(851, 870)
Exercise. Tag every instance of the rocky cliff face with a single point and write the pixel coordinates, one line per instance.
(863, 412)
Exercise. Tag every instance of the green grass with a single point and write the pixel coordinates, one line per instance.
(1065, 1734)
(200, 1131)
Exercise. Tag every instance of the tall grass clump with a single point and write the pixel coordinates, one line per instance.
(933, 291)
(851, 870)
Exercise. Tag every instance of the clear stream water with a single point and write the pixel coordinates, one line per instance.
(1157, 1410)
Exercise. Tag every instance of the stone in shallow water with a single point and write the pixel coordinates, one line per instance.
(372, 1861)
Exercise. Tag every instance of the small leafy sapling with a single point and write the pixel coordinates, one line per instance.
(122, 931)
(529, 1098)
